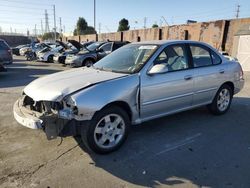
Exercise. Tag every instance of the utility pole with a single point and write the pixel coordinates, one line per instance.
(238, 11)
(94, 14)
(54, 10)
(100, 25)
(35, 31)
(60, 21)
(164, 19)
(145, 23)
(41, 27)
(46, 22)
(161, 22)
(107, 28)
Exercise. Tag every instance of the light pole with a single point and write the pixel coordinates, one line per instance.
(95, 14)
(54, 10)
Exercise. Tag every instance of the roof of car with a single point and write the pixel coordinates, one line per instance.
(163, 42)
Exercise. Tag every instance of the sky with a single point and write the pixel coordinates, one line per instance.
(22, 15)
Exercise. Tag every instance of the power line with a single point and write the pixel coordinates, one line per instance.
(21, 12)
(26, 2)
(21, 7)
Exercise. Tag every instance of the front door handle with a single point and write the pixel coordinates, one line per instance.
(222, 71)
(188, 77)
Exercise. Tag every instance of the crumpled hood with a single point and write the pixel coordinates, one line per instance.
(56, 86)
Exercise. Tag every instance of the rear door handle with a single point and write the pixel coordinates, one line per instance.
(188, 77)
(222, 71)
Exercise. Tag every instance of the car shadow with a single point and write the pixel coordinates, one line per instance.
(181, 148)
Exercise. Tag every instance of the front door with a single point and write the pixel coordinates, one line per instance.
(170, 91)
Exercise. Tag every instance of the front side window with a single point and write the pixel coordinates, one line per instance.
(174, 57)
(201, 56)
(128, 59)
(106, 47)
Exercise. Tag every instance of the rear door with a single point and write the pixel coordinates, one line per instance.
(208, 73)
(168, 92)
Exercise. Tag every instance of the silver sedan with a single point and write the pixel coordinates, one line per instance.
(137, 83)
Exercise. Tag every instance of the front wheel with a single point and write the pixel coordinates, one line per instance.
(222, 100)
(107, 131)
(50, 59)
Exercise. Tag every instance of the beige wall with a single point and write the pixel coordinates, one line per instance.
(209, 32)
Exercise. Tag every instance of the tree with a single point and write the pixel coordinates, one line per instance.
(155, 26)
(82, 27)
(50, 35)
(123, 25)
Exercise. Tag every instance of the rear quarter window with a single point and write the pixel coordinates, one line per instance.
(216, 59)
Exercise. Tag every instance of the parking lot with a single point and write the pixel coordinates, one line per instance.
(189, 149)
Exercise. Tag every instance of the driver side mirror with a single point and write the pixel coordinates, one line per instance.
(158, 69)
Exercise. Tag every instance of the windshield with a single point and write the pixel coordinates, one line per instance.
(94, 46)
(58, 48)
(128, 59)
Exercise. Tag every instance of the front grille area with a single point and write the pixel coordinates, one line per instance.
(41, 106)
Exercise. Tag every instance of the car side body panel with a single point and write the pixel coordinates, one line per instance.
(95, 98)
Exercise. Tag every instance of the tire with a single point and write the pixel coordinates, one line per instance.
(50, 59)
(222, 100)
(111, 123)
(88, 62)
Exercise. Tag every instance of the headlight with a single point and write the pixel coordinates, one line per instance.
(70, 102)
(70, 109)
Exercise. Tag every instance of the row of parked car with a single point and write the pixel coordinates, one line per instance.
(72, 53)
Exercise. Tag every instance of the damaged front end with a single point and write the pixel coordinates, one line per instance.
(55, 118)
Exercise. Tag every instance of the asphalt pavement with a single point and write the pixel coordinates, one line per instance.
(189, 149)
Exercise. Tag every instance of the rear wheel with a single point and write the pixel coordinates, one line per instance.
(107, 131)
(88, 63)
(222, 100)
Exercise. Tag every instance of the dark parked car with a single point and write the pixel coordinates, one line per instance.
(93, 53)
(16, 49)
(73, 47)
(5, 53)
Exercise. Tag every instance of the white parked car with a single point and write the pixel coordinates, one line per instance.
(136, 83)
(47, 53)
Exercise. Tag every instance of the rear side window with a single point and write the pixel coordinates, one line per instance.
(201, 56)
(216, 59)
(3, 46)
